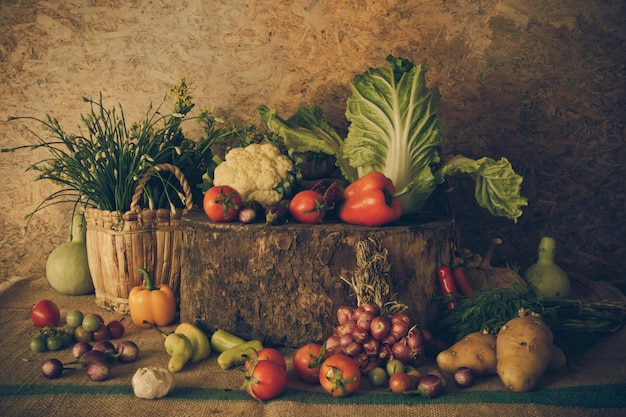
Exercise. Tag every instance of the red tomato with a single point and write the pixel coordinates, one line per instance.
(308, 207)
(265, 381)
(401, 382)
(222, 203)
(45, 312)
(340, 376)
(307, 361)
(266, 354)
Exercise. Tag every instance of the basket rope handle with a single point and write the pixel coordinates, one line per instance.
(134, 204)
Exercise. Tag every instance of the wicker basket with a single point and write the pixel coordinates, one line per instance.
(119, 244)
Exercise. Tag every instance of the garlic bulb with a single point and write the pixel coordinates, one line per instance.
(152, 382)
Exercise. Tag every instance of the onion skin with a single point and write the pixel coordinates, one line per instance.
(372, 308)
(332, 344)
(371, 347)
(401, 350)
(416, 345)
(401, 316)
(360, 335)
(365, 320)
(399, 329)
(345, 314)
(353, 349)
(346, 328)
(380, 327)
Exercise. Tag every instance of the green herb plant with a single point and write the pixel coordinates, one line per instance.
(101, 165)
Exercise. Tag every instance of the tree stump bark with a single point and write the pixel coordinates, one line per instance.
(282, 284)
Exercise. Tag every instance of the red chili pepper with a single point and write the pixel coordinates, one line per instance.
(446, 283)
(463, 285)
(370, 201)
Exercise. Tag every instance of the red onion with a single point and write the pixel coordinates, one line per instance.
(358, 311)
(399, 329)
(401, 350)
(389, 340)
(345, 340)
(360, 335)
(371, 347)
(372, 362)
(345, 314)
(332, 344)
(361, 360)
(380, 327)
(345, 328)
(371, 307)
(416, 343)
(384, 351)
(353, 349)
(365, 320)
(401, 316)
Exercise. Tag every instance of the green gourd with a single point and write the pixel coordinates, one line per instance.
(67, 269)
(547, 278)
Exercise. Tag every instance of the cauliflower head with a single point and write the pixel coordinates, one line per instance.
(258, 172)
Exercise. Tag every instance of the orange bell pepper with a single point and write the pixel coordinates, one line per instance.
(152, 304)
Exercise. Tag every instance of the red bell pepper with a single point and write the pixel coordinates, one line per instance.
(370, 201)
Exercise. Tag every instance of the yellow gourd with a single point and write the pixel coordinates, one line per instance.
(546, 277)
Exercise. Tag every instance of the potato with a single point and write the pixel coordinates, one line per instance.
(476, 351)
(523, 352)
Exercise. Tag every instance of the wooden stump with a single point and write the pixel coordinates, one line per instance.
(282, 284)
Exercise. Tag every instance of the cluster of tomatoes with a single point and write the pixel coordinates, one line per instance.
(224, 204)
(79, 327)
(266, 372)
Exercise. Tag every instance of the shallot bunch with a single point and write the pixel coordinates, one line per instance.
(372, 339)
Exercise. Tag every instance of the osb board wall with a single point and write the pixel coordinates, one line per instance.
(540, 82)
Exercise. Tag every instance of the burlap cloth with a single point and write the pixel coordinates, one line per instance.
(595, 386)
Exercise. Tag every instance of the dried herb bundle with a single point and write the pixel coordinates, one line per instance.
(575, 324)
(369, 281)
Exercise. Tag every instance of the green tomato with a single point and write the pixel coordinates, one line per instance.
(394, 366)
(54, 342)
(67, 335)
(38, 344)
(74, 318)
(377, 377)
(91, 322)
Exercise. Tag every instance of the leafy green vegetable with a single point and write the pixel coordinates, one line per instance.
(395, 129)
(306, 131)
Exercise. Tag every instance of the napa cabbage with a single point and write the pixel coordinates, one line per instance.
(394, 128)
